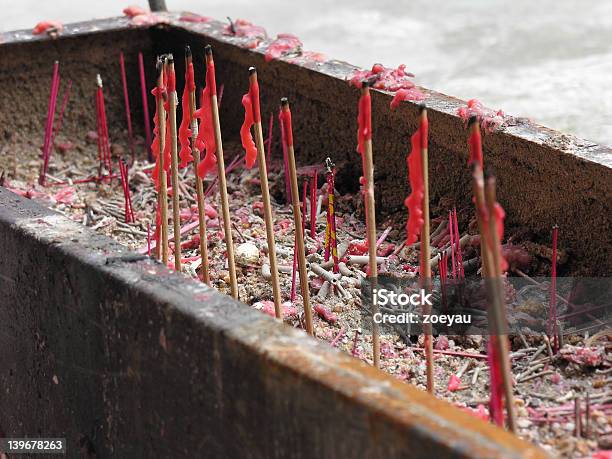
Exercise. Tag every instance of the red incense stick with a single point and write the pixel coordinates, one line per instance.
(452, 243)
(552, 318)
(127, 189)
(148, 239)
(60, 118)
(458, 242)
(285, 161)
(220, 95)
(145, 106)
(104, 153)
(269, 141)
(313, 204)
(124, 187)
(126, 100)
(49, 123)
(304, 196)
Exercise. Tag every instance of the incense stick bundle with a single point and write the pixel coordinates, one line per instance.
(227, 223)
(297, 217)
(425, 267)
(553, 329)
(176, 210)
(190, 83)
(265, 191)
(162, 249)
(499, 307)
(104, 153)
(490, 248)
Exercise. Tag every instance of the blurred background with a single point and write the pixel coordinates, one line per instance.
(549, 60)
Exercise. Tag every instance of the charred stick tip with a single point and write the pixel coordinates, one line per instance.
(208, 50)
(170, 59)
(473, 119)
(488, 176)
(422, 108)
(98, 80)
(187, 51)
(365, 84)
(252, 70)
(285, 102)
(232, 26)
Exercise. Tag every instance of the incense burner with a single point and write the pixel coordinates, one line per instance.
(126, 359)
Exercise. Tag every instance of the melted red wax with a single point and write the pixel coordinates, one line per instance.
(158, 92)
(192, 17)
(254, 95)
(134, 10)
(308, 56)
(284, 44)
(147, 19)
(184, 133)
(406, 94)
(489, 119)
(364, 121)
(206, 134)
(384, 78)
(244, 28)
(325, 313)
(287, 131)
(47, 26)
(357, 247)
(250, 101)
(414, 201)
(479, 412)
(170, 80)
(454, 383)
(475, 143)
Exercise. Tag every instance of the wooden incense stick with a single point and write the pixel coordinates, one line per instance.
(265, 194)
(371, 232)
(499, 307)
(425, 267)
(227, 222)
(176, 210)
(297, 216)
(163, 185)
(199, 186)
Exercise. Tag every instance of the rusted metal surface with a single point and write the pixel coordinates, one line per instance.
(130, 360)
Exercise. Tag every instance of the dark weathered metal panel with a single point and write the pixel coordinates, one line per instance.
(126, 359)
